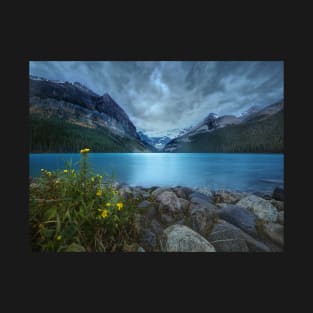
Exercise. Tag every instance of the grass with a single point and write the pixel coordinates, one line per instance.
(79, 211)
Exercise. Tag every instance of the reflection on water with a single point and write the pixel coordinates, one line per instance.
(246, 171)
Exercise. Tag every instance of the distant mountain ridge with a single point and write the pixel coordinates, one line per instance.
(76, 104)
(249, 132)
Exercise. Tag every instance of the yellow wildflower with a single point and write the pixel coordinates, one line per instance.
(108, 204)
(104, 213)
(119, 205)
(65, 171)
(49, 174)
(99, 193)
(59, 237)
(84, 150)
(92, 179)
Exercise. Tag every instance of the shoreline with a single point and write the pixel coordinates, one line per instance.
(227, 220)
(183, 219)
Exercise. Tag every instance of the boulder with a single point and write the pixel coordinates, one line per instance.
(279, 205)
(169, 204)
(166, 220)
(263, 209)
(149, 209)
(227, 238)
(144, 204)
(275, 232)
(148, 240)
(278, 194)
(156, 227)
(226, 196)
(159, 190)
(125, 192)
(235, 233)
(197, 196)
(255, 245)
(280, 218)
(180, 192)
(205, 191)
(203, 221)
(180, 238)
(184, 205)
(239, 217)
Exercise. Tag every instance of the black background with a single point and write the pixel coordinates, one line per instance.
(84, 281)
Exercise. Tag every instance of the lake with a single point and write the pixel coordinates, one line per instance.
(238, 171)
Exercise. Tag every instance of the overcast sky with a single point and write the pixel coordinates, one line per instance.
(164, 95)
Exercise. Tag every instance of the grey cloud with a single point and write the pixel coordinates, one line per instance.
(165, 95)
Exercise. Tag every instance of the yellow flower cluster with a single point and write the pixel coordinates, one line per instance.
(99, 193)
(65, 171)
(119, 206)
(104, 213)
(84, 150)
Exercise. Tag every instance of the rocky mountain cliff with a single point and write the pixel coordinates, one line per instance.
(78, 106)
(256, 131)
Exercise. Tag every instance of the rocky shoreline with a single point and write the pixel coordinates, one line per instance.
(182, 219)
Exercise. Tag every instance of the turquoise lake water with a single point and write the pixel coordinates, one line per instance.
(238, 171)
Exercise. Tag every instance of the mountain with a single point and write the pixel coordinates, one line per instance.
(259, 130)
(157, 142)
(159, 139)
(66, 116)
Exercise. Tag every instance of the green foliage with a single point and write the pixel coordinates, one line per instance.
(256, 136)
(73, 211)
(57, 135)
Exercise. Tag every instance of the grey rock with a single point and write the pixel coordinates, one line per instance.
(227, 196)
(167, 220)
(126, 192)
(184, 205)
(148, 240)
(263, 209)
(227, 238)
(255, 245)
(198, 196)
(169, 203)
(278, 194)
(199, 205)
(180, 192)
(180, 238)
(159, 190)
(144, 204)
(281, 217)
(156, 227)
(274, 232)
(239, 217)
(205, 191)
(279, 205)
(140, 249)
(203, 220)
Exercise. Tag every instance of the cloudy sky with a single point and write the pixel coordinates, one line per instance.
(159, 96)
